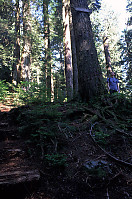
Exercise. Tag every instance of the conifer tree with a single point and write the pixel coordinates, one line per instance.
(128, 39)
(56, 35)
(68, 52)
(16, 64)
(26, 52)
(89, 72)
(6, 39)
(106, 30)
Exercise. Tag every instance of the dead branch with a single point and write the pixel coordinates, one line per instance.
(115, 176)
(124, 133)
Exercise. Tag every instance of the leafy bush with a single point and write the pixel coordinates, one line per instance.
(4, 90)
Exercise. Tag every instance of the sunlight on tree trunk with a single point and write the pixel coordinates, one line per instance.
(26, 54)
(68, 55)
(16, 64)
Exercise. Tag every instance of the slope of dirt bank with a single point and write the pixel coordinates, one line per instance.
(96, 166)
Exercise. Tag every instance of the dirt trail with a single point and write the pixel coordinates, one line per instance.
(16, 170)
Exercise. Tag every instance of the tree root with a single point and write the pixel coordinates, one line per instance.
(108, 154)
(108, 122)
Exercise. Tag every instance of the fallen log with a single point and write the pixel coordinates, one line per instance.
(18, 176)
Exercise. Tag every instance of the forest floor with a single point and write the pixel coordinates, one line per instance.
(66, 151)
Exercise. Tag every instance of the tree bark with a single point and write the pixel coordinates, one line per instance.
(107, 55)
(47, 66)
(68, 55)
(74, 58)
(16, 64)
(128, 38)
(90, 81)
(26, 54)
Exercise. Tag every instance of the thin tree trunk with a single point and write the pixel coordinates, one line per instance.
(56, 87)
(16, 64)
(62, 78)
(90, 81)
(107, 55)
(49, 85)
(26, 54)
(52, 86)
(47, 67)
(128, 38)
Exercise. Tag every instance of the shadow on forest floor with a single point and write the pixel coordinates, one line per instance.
(71, 151)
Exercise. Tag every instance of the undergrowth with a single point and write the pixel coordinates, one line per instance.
(24, 93)
(51, 125)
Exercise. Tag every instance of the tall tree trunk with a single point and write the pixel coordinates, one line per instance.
(74, 58)
(26, 54)
(56, 87)
(90, 81)
(128, 38)
(61, 79)
(52, 86)
(16, 64)
(107, 55)
(49, 74)
(47, 49)
(68, 55)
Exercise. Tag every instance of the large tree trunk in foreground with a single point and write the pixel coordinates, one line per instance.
(89, 73)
